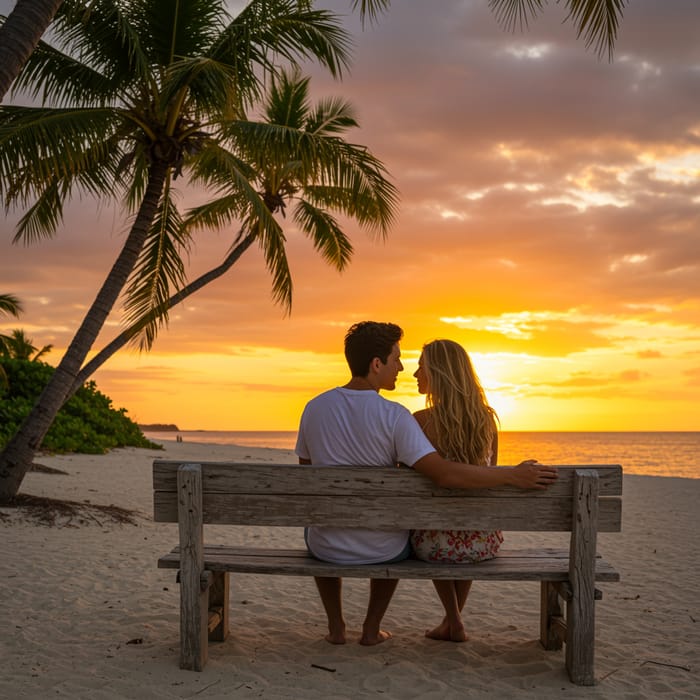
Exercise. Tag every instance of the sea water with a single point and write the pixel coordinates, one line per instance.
(650, 453)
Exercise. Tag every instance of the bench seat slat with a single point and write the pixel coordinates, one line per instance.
(510, 567)
(504, 553)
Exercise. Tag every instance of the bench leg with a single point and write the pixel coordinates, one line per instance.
(552, 624)
(194, 621)
(580, 609)
(219, 607)
(580, 639)
(194, 580)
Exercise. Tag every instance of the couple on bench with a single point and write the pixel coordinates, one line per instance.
(453, 441)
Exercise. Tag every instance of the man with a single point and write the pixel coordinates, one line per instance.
(353, 424)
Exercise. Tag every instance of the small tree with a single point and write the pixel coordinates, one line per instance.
(19, 347)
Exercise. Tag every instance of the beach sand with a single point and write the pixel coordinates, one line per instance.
(87, 614)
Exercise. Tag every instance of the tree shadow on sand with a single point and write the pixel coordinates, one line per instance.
(54, 512)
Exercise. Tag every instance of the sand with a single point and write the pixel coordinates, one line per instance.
(85, 612)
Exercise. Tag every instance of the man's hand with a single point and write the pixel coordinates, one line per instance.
(530, 474)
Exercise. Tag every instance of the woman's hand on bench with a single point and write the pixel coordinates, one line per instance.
(530, 474)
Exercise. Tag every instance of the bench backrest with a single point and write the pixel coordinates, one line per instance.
(380, 498)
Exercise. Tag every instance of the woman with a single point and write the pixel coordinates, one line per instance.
(461, 426)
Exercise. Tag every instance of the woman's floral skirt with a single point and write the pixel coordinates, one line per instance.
(456, 546)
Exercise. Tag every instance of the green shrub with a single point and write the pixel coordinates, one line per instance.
(87, 423)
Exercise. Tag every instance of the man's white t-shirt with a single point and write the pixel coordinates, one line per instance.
(347, 426)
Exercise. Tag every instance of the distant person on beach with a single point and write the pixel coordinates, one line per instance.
(353, 424)
(462, 426)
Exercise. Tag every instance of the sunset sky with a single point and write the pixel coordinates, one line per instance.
(549, 221)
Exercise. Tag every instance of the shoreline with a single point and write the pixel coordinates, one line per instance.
(88, 614)
(660, 456)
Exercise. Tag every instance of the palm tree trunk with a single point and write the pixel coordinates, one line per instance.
(123, 338)
(20, 34)
(18, 454)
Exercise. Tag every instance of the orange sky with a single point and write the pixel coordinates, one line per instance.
(549, 216)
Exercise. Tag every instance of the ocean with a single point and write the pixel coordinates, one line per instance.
(650, 453)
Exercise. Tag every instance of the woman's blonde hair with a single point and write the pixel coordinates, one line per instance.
(462, 422)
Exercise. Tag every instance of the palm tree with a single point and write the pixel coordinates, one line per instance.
(18, 346)
(20, 34)
(134, 95)
(300, 160)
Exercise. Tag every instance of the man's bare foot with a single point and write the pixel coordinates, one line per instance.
(445, 633)
(370, 640)
(338, 638)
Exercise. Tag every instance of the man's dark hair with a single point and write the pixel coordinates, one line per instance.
(369, 339)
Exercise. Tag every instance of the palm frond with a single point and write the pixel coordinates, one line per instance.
(209, 85)
(133, 170)
(325, 232)
(177, 29)
(596, 20)
(287, 102)
(39, 145)
(47, 154)
(370, 8)
(312, 35)
(104, 34)
(60, 79)
(41, 219)
(515, 13)
(331, 116)
(233, 178)
(10, 304)
(271, 240)
(355, 182)
(269, 146)
(265, 31)
(159, 268)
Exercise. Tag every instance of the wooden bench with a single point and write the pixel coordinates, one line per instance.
(584, 501)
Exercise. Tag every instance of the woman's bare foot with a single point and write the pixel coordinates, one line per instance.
(335, 638)
(448, 633)
(337, 635)
(370, 639)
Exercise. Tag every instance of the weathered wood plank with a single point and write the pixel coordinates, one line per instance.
(194, 616)
(550, 616)
(580, 610)
(219, 606)
(387, 513)
(510, 567)
(348, 481)
(213, 550)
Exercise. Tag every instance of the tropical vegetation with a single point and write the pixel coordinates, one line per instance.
(87, 423)
(19, 346)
